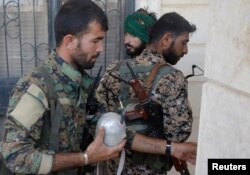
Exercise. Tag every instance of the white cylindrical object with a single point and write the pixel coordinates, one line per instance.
(115, 131)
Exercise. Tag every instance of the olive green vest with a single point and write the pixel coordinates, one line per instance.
(157, 163)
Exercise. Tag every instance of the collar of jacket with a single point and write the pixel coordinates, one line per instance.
(150, 57)
(80, 78)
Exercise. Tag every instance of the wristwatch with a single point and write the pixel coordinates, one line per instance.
(168, 148)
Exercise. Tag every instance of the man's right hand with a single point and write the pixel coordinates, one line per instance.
(98, 151)
(185, 151)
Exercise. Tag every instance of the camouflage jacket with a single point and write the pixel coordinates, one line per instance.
(27, 106)
(170, 91)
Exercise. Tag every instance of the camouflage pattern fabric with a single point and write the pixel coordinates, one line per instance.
(170, 91)
(27, 106)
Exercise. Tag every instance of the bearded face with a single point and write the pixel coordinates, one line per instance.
(87, 47)
(170, 55)
(178, 48)
(82, 59)
(133, 44)
(135, 50)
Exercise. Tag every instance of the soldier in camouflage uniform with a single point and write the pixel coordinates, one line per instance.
(80, 28)
(168, 43)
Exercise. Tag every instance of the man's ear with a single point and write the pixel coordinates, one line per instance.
(69, 41)
(166, 40)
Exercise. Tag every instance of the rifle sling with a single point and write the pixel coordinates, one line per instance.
(55, 114)
(152, 75)
(147, 85)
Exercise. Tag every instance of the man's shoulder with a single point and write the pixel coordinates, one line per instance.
(172, 80)
(114, 66)
(34, 77)
(32, 83)
(171, 72)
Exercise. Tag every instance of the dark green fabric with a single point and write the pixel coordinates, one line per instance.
(139, 24)
(4, 170)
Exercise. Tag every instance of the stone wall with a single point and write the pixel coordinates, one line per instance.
(224, 120)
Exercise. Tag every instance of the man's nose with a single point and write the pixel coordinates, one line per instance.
(185, 50)
(100, 47)
(126, 39)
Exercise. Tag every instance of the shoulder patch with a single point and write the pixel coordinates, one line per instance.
(30, 107)
(35, 91)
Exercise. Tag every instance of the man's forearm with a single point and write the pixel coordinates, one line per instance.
(63, 161)
(184, 151)
(148, 144)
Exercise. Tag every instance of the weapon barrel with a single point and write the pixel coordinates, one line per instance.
(137, 87)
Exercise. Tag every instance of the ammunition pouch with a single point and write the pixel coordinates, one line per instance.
(155, 118)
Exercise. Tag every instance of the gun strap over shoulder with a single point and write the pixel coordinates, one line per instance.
(156, 72)
(155, 75)
(152, 75)
(52, 122)
(125, 74)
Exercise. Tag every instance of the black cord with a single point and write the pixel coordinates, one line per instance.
(193, 72)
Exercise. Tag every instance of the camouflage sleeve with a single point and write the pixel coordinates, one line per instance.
(23, 126)
(107, 91)
(177, 113)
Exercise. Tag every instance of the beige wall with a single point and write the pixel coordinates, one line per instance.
(224, 122)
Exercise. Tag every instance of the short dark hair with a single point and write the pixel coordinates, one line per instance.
(146, 12)
(170, 22)
(75, 16)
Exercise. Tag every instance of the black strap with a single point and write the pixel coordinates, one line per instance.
(52, 122)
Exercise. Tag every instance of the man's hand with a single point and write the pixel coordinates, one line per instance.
(98, 151)
(185, 151)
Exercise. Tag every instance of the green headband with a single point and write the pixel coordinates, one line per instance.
(139, 24)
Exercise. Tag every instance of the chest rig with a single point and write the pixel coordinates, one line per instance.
(149, 76)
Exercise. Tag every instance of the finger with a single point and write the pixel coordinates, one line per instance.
(115, 155)
(193, 143)
(194, 152)
(194, 146)
(192, 161)
(120, 145)
(193, 155)
(100, 134)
